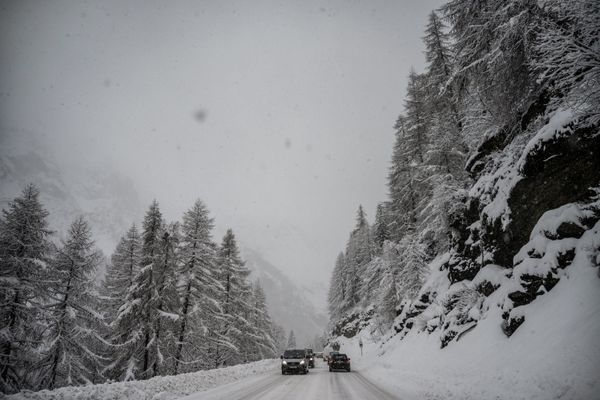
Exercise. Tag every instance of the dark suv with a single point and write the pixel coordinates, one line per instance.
(294, 361)
(339, 361)
(311, 358)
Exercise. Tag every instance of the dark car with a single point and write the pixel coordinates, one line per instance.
(294, 361)
(339, 361)
(331, 354)
(311, 358)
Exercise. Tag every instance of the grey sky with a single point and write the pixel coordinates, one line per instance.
(277, 114)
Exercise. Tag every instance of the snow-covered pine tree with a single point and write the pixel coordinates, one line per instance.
(262, 344)
(359, 252)
(440, 67)
(264, 323)
(492, 47)
(278, 334)
(407, 180)
(416, 121)
(389, 300)
(233, 277)
(446, 149)
(291, 342)
(381, 231)
(124, 265)
(100, 326)
(136, 318)
(199, 287)
(337, 292)
(145, 289)
(69, 358)
(119, 284)
(167, 301)
(372, 279)
(397, 177)
(411, 275)
(24, 253)
(566, 56)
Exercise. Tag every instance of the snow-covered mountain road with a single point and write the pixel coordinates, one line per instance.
(319, 383)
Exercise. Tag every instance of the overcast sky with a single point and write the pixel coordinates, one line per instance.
(277, 114)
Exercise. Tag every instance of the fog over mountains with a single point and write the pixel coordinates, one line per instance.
(110, 202)
(106, 199)
(291, 306)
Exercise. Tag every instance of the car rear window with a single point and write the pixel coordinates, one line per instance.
(293, 354)
(339, 357)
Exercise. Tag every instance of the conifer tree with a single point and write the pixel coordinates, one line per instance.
(137, 316)
(566, 56)
(236, 291)
(198, 287)
(359, 252)
(390, 299)
(167, 301)
(124, 265)
(291, 342)
(439, 60)
(145, 288)
(412, 273)
(397, 182)
(69, 358)
(119, 287)
(24, 253)
(337, 286)
(415, 122)
(262, 341)
(447, 149)
(407, 181)
(492, 47)
(381, 231)
(278, 334)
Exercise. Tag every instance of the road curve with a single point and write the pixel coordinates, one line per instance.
(318, 384)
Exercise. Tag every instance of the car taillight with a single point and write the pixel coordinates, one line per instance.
(348, 359)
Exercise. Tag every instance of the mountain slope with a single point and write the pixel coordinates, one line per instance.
(107, 200)
(288, 303)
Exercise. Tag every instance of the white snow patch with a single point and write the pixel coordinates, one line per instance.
(557, 126)
(554, 354)
(494, 274)
(162, 387)
(552, 219)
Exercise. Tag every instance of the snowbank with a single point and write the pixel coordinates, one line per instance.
(159, 388)
(554, 354)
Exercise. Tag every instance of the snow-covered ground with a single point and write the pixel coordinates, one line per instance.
(159, 388)
(555, 354)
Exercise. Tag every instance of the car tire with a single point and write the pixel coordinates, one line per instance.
(348, 369)
(330, 369)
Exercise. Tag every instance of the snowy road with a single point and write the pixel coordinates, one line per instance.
(319, 383)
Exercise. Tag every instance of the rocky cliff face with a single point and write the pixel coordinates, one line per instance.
(558, 171)
(534, 198)
(532, 212)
